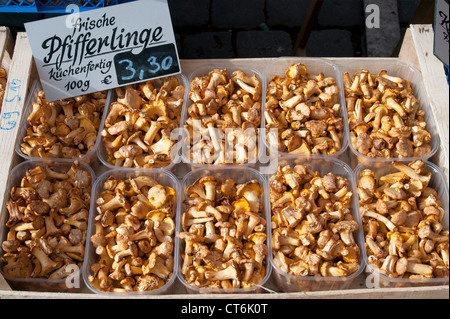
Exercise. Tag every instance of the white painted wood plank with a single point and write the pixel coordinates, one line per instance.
(14, 101)
(441, 292)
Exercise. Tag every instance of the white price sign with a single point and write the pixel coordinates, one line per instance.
(441, 31)
(100, 49)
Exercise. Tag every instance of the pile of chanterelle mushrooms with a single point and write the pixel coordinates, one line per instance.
(134, 235)
(224, 118)
(224, 234)
(65, 128)
(140, 123)
(303, 113)
(403, 222)
(47, 224)
(384, 116)
(313, 230)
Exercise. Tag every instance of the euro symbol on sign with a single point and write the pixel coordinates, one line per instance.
(107, 80)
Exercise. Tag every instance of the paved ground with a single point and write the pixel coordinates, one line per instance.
(267, 28)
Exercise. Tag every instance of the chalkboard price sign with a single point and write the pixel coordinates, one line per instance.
(153, 62)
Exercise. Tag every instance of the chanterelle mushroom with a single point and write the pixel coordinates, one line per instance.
(48, 216)
(134, 236)
(402, 222)
(223, 234)
(312, 225)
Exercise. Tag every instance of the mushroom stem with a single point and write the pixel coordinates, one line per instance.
(392, 104)
(231, 272)
(380, 218)
(419, 268)
(47, 264)
(411, 173)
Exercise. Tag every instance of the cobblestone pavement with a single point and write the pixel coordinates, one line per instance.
(268, 28)
(262, 28)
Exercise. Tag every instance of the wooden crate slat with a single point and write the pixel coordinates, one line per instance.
(376, 293)
(19, 78)
(6, 45)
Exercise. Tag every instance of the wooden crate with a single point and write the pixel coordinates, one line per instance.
(433, 74)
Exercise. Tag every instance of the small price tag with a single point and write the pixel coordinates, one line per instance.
(441, 31)
(152, 62)
(105, 48)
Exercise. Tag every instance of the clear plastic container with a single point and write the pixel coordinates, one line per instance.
(164, 178)
(5, 63)
(291, 283)
(102, 154)
(406, 71)
(204, 70)
(240, 175)
(89, 158)
(37, 284)
(438, 182)
(279, 66)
